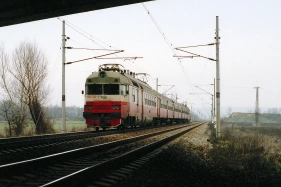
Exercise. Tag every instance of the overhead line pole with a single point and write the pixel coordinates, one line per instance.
(63, 125)
(218, 131)
(214, 99)
(257, 124)
(191, 114)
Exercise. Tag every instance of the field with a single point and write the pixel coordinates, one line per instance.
(71, 126)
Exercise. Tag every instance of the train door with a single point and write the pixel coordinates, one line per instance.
(138, 102)
(173, 107)
(167, 109)
(141, 96)
(158, 107)
(181, 112)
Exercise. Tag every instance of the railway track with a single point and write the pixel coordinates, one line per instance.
(23, 148)
(16, 142)
(85, 165)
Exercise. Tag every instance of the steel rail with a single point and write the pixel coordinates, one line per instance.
(20, 167)
(90, 174)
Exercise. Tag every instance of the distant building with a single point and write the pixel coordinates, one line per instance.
(248, 119)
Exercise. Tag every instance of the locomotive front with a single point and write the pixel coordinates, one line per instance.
(106, 97)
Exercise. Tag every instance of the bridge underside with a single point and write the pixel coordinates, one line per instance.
(21, 11)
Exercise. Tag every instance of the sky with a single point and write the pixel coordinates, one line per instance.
(250, 49)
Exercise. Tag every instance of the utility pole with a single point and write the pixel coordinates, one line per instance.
(257, 124)
(63, 78)
(218, 131)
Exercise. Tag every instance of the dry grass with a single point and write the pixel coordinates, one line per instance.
(248, 151)
(71, 126)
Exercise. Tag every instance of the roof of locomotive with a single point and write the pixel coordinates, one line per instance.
(118, 71)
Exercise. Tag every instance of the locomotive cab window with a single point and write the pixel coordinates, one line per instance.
(94, 89)
(106, 89)
(123, 89)
(111, 89)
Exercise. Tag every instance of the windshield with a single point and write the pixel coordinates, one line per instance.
(111, 89)
(106, 89)
(95, 89)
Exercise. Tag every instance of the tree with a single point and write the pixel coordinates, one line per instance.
(7, 113)
(273, 111)
(12, 108)
(15, 116)
(229, 111)
(27, 72)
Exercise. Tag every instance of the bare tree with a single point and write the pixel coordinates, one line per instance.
(28, 75)
(273, 111)
(11, 108)
(15, 116)
(7, 113)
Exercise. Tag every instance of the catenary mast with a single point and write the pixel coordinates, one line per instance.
(257, 111)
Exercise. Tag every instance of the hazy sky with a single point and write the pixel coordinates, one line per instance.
(250, 49)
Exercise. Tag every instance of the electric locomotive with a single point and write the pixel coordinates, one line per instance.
(114, 97)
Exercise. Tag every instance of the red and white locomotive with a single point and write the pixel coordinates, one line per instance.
(114, 97)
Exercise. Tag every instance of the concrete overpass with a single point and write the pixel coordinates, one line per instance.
(21, 11)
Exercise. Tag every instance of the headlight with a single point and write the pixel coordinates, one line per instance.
(88, 107)
(115, 107)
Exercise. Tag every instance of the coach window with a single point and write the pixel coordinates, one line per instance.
(111, 89)
(94, 89)
(122, 89)
(133, 95)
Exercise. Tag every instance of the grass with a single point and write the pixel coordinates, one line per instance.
(71, 126)
(253, 152)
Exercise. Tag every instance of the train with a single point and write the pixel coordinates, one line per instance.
(116, 98)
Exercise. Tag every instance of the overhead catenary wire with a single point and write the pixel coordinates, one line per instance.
(89, 36)
(69, 25)
(169, 44)
(205, 63)
(160, 30)
(102, 44)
